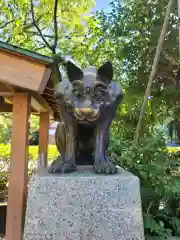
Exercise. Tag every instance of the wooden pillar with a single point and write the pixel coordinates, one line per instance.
(44, 136)
(18, 167)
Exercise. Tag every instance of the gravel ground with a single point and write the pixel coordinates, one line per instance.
(172, 238)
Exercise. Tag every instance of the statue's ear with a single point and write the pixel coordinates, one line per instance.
(105, 72)
(73, 72)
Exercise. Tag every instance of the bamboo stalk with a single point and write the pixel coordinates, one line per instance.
(153, 72)
(178, 7)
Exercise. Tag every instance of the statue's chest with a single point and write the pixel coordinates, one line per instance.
(85, 133)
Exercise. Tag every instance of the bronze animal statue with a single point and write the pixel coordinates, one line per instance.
(88, 100)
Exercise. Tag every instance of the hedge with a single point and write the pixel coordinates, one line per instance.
(5, 152)
(174, 149)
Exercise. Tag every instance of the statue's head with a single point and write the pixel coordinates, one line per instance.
(88, 91)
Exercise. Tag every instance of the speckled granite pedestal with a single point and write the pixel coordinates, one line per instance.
(84, 206)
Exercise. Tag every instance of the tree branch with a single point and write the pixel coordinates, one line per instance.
(153, 72)
(7, 23)
(57, 58)
(55, 27)
(37, 34)
(149, 207)
(163, 74)
(169, 58)
(39, 48)
(37, 27)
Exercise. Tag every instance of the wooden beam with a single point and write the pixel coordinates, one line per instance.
(37, 106)
(43, 136)
(45, 79)
(18, 167)
(44, 104)
(5, 108)
(6, 90)
(37, 103)
(8, 108)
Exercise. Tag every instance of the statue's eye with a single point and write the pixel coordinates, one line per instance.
(76, 93)
(99, 95)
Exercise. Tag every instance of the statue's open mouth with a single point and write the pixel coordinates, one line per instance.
(90, 115)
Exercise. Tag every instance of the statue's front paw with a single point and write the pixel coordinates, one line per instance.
(106, 167)
(60, 166)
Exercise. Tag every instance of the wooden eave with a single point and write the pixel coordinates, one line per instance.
(26, 71)
(39, 58)
(23, 68)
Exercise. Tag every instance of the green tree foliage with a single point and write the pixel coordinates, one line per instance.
(128, 36)
(5, 128)
(67, 22)
(134, 28)
(38, 26)
(159, 178)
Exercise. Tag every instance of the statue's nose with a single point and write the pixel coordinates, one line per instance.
(86, 111)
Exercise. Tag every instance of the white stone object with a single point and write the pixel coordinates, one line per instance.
(84, 206)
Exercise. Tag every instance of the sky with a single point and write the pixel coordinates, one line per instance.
(103, 4)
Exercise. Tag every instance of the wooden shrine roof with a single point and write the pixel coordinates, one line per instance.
(26, 71)
(26, 53)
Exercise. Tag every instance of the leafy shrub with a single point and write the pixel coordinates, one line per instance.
(160, 187)
(5, 128)
(151, 162)
(5, 153)
(4, 166)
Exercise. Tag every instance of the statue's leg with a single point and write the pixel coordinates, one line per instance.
(65, 143)
(101, 163)
(60, 139)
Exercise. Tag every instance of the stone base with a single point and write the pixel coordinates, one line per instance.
(84, 206)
